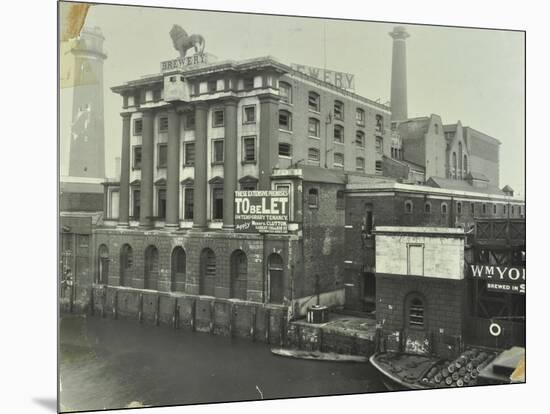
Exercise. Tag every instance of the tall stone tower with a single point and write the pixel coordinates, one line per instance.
(399, 75)
(87, 140)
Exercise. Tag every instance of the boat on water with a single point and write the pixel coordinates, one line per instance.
(318, 355)
(404, 371)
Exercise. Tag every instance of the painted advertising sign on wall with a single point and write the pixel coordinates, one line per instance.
(261, 211)
(339, 79)
(508, 279)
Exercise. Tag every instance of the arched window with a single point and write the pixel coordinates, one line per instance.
(379, 123)
(436, 129)
(360, 138)
(314, 102)
(494, 209)
(408, 207)
(338, 133)
(427, 207)
(313, 198)
(313, 156)
(339, 110)
(338, 160)
(126, 265)
(151, 273)
(465, 165)
(207, 278)
(454, 168)
(484, 208)
(415, 311)
(285, 120)
(313, 129)
(103, 264)
(459, 208)
(460, 171)
(360, 117)
(239, 275)
(178, 270)
(276, 283)
(443, 208)
(340, 200)
(285, 92)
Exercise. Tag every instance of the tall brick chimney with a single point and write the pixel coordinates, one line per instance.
(399, 75)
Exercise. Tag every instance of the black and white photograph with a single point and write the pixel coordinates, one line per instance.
(265, 206)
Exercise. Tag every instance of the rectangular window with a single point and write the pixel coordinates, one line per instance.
(313, 127)
(217, 151)
(212, 86)
(285, 150)
(313, 155)
(248, 83)
(189, 153)
(338, 160)
(248, 186)
(162, 155)
(188, 204)
(138, 126)
(360, 164)
(217, 203)
(137, 157)
(217, 118)
(163, 124)
(189, 121)
(360, 139)
(338, 110)
(157, 95)
(378, 166)
(249, 149)
(161, 203)
(136, 194)
(379, 124)
(249, 115)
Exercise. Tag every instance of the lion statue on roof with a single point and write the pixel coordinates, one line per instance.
(183, 42)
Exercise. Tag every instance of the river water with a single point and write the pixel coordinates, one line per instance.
(113, 364)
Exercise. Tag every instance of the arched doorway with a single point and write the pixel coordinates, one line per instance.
(207, 277)
(151, 268)
(103, 265)
(178, 270)
(239, 275)
(275, 273)
(126, 265)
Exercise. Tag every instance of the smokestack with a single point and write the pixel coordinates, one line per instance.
(399, 75)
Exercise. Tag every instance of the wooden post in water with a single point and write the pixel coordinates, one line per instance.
(140, 308)
(157, 311)
(115, 305)
(253, 323)
(267, 324)
(212, 310)
(193, 314)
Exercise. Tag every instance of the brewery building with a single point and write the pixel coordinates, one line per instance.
(251, 190)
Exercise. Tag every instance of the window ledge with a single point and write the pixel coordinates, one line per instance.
(286, 131)
(216, 163)
(188, 165)
(249, 122)
(340, 143)
(313, 137)
(313, 111)
(248, 162)
(289, 157)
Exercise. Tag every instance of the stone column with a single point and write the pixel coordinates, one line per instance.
(201, 171)
(173, 171)
(124, 192)
(147, 164)
(269, 139)
(230, 163)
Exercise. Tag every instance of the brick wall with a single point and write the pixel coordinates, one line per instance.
(323, 240)
(443, 308)
(255, 247)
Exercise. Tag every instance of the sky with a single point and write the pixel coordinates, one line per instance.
(472, 75)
